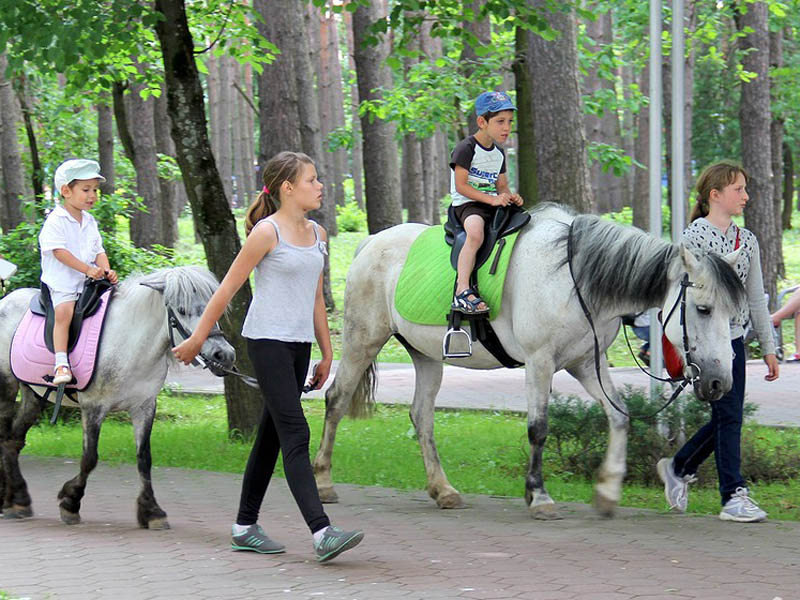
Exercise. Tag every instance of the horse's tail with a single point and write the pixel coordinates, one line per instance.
(362, 404)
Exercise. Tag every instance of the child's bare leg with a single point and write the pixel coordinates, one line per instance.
(473, 225)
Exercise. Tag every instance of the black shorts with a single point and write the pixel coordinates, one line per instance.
(483, 210)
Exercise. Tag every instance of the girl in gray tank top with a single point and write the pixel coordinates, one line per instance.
(287, 252)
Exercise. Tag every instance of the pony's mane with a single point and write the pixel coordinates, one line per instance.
(613, 264)
(184, 287)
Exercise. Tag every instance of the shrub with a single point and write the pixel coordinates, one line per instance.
(350, 217)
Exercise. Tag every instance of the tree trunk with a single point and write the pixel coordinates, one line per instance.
(641, 176)
(210, 208)
(628, 77)
(562, 173)
(381, 174)
(776, 143)
(10, 153)
(146, 227)
(755, 118)
(105, 144)
(37, 173)
(244, 140)
(526, 150)
(121, 119)
(482, 30)
(335, 99)
(788, 186)
(357, 154)
(168, 190)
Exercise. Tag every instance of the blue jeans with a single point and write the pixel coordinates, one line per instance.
(722, 435)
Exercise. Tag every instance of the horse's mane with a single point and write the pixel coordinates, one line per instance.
(184, 287)
(613, 264)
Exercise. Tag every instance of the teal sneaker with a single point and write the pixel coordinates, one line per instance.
(256, 540)
(335, 541)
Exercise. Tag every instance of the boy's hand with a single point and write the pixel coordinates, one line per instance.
(516, 199)
(95, 273)
(111, 275)
(503, 199)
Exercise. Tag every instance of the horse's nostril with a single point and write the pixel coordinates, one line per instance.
(716, 385)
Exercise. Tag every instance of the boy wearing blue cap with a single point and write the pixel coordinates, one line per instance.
(71, 250)
(478, 186)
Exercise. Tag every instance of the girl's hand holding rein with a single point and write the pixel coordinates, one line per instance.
(260, 241)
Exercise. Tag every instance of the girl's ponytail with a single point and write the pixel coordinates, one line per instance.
(263, 207)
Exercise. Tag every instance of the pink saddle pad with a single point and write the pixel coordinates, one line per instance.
(31, 361)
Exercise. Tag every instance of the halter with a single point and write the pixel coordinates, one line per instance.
(201, 360)
(683, 375)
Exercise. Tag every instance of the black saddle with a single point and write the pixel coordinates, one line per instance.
(507, 220)
(87, 304)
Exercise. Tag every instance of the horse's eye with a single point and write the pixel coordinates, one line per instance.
(703, 310)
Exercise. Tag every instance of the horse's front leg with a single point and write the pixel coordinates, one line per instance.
(428, 380)
(72, 491)
(14, 427)
(148, 513)
(538, 379)
(608, 490)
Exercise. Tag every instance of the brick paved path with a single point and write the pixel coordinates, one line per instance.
(491, 549)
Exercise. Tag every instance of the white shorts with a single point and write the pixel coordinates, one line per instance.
(61, 297)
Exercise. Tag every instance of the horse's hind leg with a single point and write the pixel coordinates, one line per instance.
(608, 489)
(72, 491)
(14, 426)
(428, 381)
(148, 513)
(538, 379)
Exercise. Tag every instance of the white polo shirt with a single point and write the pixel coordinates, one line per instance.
(82, 240)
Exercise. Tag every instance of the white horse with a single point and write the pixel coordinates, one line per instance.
(619, 270)
(131, 367)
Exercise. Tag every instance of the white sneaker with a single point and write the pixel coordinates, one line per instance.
(62, 374)
(741, 508)
(676, 489)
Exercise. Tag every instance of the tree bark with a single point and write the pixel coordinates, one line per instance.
(381, 174)
(10, 153)
(641, 175)
(357, 151)
(37, 173)
(776, 141)
(168, 190)
(526, 146)
(482, 30)
(562, 173)
(332, 85)
(755, 119)
(210, 209)
(105, 144)
(788, 186)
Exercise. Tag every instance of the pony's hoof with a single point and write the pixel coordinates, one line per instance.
(70, 518)
(545, 512)
(328, 495)
(604, 506)
(450, 501)
(157, 523)
(17, 512)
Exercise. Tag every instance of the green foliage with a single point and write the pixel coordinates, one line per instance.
(350, 217)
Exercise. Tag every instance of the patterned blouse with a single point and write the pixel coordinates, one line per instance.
(701, 237)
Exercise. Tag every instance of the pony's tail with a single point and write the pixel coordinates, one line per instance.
(362, 404)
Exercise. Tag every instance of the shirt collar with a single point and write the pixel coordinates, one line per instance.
(60, 211)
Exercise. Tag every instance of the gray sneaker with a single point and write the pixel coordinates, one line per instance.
(676, 489)
(741, 508)
(335, 541)
(256, 540)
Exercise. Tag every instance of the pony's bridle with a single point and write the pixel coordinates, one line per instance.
(690, 371)
(201, 360)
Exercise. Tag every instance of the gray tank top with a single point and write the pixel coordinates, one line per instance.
(286, 282)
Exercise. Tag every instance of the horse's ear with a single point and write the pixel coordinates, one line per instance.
(732, 257)
(689, 260)
(158, 286)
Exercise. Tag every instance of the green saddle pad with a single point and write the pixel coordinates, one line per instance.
(424, 291)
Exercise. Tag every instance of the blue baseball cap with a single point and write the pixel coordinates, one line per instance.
(76, 168)
(493, 102)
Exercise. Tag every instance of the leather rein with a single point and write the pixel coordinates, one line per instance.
(691, 371)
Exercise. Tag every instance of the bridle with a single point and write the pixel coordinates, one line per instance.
(201, 360)
(688, 373)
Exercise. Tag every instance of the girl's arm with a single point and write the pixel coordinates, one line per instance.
(260, 241)
(321, 331)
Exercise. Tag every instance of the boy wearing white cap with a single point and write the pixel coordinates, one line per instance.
(71, 250)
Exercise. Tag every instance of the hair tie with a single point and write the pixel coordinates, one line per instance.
(265, 190)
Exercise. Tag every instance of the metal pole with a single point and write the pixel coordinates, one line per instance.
(655, 176)
(678, 182)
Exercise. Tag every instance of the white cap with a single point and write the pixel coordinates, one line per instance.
(76, 168)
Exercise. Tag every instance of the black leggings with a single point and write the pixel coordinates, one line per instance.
(281, 369)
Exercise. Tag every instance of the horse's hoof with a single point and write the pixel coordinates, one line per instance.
(604, 506)
(17, 512)
(70, 518)
(157, 523)
(545, 512)
(328, 495)
(450, 501)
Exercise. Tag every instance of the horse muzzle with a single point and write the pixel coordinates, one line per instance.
(712, 386)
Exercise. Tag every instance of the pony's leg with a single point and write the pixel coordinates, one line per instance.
(148, 513)
(72, 491)
(538, 379)
(14, 426)
(428, 380)
(353, 383)
(608, 489)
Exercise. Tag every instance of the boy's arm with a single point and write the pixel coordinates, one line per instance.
(101, 260)
(502, 188)
(68, 258)
(465, 189)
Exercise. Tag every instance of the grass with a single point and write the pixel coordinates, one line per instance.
(482, 452)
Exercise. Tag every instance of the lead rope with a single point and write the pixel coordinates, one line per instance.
(681, 298)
